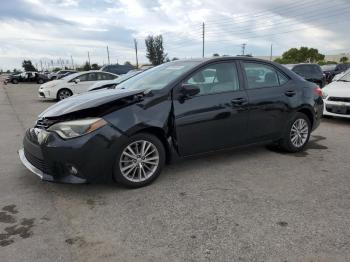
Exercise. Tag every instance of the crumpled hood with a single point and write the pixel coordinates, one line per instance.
(86, 101)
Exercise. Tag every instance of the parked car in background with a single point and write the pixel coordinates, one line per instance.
(177, 109)
(26, 77)
(332, 70)
(337, 97)
(310, 72)
(117, 69)
(113, 83)
(338, 76)
(73, 84)
(60, 74)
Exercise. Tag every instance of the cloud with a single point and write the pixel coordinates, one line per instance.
(41, 29)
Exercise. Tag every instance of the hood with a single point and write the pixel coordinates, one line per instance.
(87, 101)
(338, 89)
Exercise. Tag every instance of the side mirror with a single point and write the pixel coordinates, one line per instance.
(76, 80)
(188, 90)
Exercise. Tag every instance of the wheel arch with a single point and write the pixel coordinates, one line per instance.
(308, 112)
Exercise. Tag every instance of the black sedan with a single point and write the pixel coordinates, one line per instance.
(311, 72)
(26, 77)
(177, 109)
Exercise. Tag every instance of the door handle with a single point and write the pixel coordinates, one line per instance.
(239, 101)
(290, 93)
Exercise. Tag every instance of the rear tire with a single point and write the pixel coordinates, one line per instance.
(63, 94)
(139, 161)
(14, 81)
(40, 81)
(297, 134)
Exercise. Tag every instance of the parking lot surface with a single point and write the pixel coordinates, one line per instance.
(251, 204)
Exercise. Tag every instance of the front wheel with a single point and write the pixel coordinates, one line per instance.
(140, 161)
(40, 81)
(63, 94)
(14, 81)
(297, 134)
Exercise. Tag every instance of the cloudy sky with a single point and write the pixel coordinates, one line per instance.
(45, 30)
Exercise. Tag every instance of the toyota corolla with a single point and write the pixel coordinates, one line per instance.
(175, 110)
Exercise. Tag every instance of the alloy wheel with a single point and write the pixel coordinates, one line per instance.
(139, 161)
(299, 133)
(64, 94)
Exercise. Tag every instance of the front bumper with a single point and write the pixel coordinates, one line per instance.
(45, 94)
(337, 109)
(89, 158)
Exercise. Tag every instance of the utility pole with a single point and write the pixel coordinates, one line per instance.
(271, 53)
(108, 56)
(71, 59)
(137, 59)
(41, 65)
(89, 58)
(203, 36)
(243, 48)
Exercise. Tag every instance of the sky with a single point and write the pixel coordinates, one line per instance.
(59, 31)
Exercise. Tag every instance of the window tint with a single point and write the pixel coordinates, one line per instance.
(104, 76)
(92, 77)
(261, 75)
(307, 70)
(82, 78)
(216, 78)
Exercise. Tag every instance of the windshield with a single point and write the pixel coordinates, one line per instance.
(126, 76)
(328, 67)
(345, 78)
(158, 77)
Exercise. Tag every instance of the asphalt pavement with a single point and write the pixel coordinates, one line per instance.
(251, 204)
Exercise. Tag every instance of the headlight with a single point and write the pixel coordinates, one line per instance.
(75, 128)
(324, 94)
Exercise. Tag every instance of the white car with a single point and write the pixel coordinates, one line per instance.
(114, 82)
(73, 84)
(338, 76)
(337, 97)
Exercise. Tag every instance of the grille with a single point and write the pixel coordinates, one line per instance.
(37, 162)
(339, 99)
(340, 110)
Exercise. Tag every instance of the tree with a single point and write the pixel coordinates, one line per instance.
(95, 67)
(301, 55)
(56, 69)
(127, 63)
(86, 66)
(216, 54)
(174, 59)
(28, 66)
(155, 50)
(344, 59)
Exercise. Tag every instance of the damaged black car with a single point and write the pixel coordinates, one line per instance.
(177, 109)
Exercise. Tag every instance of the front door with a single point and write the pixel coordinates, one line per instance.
(215, 118)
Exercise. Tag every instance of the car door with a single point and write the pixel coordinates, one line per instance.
(271, 96)
(216, 117)
(84, 83)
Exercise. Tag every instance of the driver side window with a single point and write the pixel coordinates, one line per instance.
(215, 78)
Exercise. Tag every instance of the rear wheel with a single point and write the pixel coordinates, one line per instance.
(14, 81)
(297, 134)
(40, 81)
(63, 94)
(140, 161)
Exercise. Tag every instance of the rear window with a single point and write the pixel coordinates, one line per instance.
(306, 70)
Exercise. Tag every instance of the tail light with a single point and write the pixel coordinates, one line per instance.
(318, 91)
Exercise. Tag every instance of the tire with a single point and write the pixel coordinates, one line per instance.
(297, 134)
(40, 81)
(63, 94)
(14, 81)
(137, 171)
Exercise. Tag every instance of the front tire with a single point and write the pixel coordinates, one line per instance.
(40, 81)
(139, 161)
(297, 134)
(14, 81)
(63, 94)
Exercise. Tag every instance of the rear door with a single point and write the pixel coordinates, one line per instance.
(271, 96)
(216, 117)
(86, 80)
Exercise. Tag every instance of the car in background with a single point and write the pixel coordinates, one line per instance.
(332, 70)
(178, 109)
(113, 83)
(60, 74)
(337, 97)
(310, 72)
(33, 77)
(117, 69)
(73, 84)
(338, 76)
